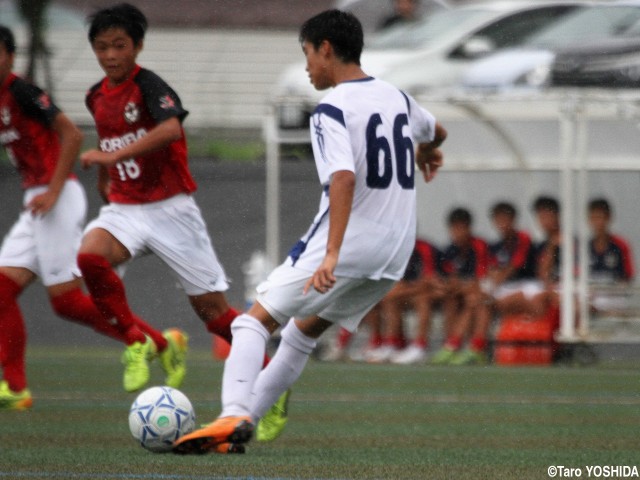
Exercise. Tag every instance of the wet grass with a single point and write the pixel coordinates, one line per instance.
(347, 421)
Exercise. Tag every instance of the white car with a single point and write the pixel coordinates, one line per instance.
(528, 66)
(429, 54)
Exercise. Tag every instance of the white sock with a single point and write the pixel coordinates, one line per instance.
(283, 370)
(243, 364)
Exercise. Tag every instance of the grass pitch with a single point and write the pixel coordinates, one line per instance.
(346, 421)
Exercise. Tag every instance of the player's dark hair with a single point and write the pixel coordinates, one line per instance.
(546, 203)
(504, 208)
(341, 29)
(122, 15)
(601, 204)
(460, 215)
(7, 39)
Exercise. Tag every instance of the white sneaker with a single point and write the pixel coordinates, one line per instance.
(381, 354)
(412, 354)
(334, 354)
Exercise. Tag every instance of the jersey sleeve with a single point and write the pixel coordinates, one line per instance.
(330, 140)
(423, 123)
(161, 100)
(34, 102)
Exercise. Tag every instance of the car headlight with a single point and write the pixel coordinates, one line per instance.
(537, 77)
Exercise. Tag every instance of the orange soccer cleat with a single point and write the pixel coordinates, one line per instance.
(234, 430)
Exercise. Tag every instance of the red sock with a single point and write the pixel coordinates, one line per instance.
(478, 344)
(107, 292)
(375, 340)
(344, 337)
(221, 326)
(13, 335)
(453, 342)
(78, 307)
(421, 343)
(155, 335)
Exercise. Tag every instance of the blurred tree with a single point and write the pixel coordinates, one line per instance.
(33, 11)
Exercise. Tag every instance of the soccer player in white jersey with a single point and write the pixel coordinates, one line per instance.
(363, 135)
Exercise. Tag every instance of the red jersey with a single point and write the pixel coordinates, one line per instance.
(125, 113)
(26, 116)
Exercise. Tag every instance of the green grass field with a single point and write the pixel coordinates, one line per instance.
(346, 421)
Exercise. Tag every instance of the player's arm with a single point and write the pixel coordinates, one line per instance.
(429, 157)
(70, 143)
(343, 184)
(162, 135)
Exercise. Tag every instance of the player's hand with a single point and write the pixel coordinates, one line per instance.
(429, 160)
(97, 157)
(43, 203)
(323, 278)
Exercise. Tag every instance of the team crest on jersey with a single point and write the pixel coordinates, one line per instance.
(131, 112)
(5, 116)
(167, 102)
(43, 101)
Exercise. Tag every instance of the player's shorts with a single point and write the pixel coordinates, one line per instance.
(47, 245)
(345, 304)
(528, 288)
(174, 230)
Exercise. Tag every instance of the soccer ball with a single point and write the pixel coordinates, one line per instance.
(159, 416)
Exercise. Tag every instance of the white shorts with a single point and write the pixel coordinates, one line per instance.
(345, 304)
(47, 245)
(172, 229)
(528, 288)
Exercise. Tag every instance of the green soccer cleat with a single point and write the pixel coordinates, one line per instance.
(173, 358)
(10, 400)
(469, 357)
(272, 424)
(136, 364)
(443, 356)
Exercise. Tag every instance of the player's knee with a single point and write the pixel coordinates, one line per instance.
(245, 321)
(292, 335)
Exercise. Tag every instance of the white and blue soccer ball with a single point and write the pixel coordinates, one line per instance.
(159, 416)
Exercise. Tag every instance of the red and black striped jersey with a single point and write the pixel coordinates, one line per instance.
(424, 261)
(613, 264)
(125, 113)
(26, 117)
(517, 252)
(471, 261)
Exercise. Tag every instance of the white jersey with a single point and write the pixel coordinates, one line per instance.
(370, 128)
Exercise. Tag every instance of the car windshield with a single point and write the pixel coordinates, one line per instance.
(591, 23)
(425, 32)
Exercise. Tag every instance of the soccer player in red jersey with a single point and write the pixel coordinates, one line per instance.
(43, 144)
(465, 263)
(610, 259)
(145, 177)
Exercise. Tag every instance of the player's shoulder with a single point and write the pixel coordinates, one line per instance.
(21, 88)
(148, 79)
(619, 242)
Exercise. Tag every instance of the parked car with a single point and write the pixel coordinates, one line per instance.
(428, 54)
(371, 13)
(613, 63)
(528, 66)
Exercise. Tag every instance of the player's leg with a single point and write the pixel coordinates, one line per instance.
(250, 331)
(71, 303)
(14, 394)
(99, 253)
